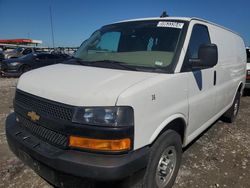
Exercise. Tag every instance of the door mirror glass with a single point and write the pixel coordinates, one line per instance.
(207, 57)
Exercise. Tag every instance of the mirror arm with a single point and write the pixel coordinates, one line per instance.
(195, 63)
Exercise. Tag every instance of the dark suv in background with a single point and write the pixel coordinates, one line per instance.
(18, 52)
(17, 66)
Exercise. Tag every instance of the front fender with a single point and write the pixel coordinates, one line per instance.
(165, 123)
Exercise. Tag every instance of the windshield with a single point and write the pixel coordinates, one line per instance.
(18, 50)
(248, 55)
(147, 44)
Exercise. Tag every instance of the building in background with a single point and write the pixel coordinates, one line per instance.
(29, 42)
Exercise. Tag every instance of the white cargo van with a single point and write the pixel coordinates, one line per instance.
(134, 94)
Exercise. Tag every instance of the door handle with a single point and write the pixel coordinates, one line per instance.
(215, 78)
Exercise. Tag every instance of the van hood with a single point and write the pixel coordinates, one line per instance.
(80, 85)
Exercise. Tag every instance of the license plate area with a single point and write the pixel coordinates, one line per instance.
(42, 170)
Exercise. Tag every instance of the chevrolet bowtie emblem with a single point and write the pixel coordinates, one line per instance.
(33, 116)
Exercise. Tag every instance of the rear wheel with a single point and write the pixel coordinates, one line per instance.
(232, 112)
(164, 162)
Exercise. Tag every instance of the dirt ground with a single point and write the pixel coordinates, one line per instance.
(219, 158)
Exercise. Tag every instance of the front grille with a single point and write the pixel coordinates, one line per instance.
(48, 135)
(43, 106)
(52, 116)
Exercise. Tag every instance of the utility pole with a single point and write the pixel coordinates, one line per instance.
(51, 25)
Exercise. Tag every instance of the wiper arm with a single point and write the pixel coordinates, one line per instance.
(107, 63)
(115, 64)
(78, 61)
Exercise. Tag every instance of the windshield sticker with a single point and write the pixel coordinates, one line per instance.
(171, 24)
(158, 63)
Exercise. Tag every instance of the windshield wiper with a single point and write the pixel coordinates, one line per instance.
(102, 63)
(76, 60)
(114, 64)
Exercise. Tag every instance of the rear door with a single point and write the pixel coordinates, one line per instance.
(201, 83)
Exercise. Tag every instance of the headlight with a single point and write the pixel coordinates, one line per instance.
(14, 63)
(105, 116)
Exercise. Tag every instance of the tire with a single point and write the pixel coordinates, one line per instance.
(231, 114)
(25, 68)
(164, 161)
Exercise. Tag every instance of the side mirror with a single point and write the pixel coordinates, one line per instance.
(207, 57)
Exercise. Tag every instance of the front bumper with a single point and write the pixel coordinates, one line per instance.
(6, 71)
(54, 164)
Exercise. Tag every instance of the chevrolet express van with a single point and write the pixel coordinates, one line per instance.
(134, 94)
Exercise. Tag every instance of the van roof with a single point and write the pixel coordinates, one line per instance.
(178, 18)
(157, 18)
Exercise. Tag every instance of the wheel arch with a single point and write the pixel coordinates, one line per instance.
(240, 88)
(22, 66)
(176, 123)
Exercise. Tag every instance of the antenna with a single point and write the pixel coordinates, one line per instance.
(164, 14)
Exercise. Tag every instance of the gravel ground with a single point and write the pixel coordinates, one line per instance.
(218, 158)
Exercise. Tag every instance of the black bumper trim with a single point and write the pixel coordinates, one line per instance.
(74, 163)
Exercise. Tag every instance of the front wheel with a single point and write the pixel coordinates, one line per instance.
(164, 162)
(25, 68)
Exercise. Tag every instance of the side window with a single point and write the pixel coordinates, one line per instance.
(199, 36)
(105, 43)
(27, 51)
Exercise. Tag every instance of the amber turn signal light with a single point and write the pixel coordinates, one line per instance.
(100, 144)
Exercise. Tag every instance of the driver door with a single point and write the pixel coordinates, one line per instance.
(201, 84)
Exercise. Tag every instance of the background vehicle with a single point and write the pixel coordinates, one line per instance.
(1, 54)
(17, 66)
(135, 93)
(18, 52)
(247, 85)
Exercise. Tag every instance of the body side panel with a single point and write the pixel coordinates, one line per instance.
(156, 101)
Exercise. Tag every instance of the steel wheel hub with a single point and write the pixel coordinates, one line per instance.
(166, 166)
(236, 107)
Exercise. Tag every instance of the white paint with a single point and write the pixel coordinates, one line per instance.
(176, 95)
(177, 25)
(80, 85)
